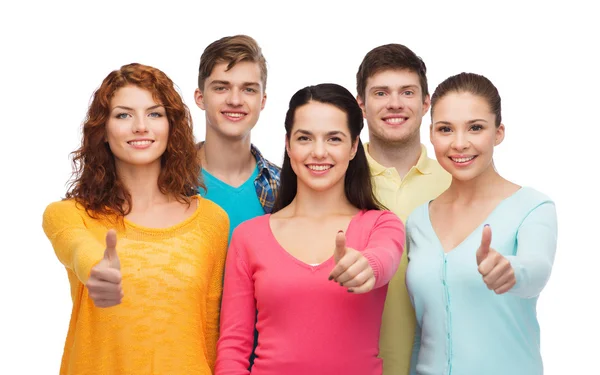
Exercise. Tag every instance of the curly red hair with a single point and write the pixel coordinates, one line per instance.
(95, 182)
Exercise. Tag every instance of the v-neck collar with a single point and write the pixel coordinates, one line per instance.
(476, 230)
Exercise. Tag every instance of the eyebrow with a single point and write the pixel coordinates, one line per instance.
(388, 87)
(226, 83)
(131, 109)
(468, 122)
(333, 132)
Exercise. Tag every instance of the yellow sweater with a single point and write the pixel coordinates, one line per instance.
(168, 321)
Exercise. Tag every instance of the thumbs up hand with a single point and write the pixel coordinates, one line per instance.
(496, 270)
(104, 284)
(352, 270)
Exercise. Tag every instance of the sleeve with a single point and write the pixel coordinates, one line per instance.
(385, 247)
(238, 311)
(536, 247)
(74, 244)
(415, 350)
(213, 302)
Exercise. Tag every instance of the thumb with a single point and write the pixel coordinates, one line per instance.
(110, 253)
(486, 240)
(340, 246)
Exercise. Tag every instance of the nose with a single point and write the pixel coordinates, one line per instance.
(395, 101)
(139, 125)
(460, 141)
(234, 98)
(319, 150)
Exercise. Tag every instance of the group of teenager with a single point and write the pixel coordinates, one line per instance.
(350, 259)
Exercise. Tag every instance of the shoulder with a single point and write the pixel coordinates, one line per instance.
(66, 207)
(212, 213)
(263, 163)
(64, 214)
(252, 227)
(418, 214)
(379, 218)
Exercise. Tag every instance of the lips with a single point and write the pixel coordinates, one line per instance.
(462, 159)
(319, 167)
(141, 142)
(395, 120)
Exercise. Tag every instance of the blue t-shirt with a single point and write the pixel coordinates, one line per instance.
(241, 203)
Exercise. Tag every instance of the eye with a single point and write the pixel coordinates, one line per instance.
(303, 138)
(444, 129)
(250, 90)
(155, 114)
(122, 115)
(219, 88)
(379, 93)
(476, 127)
(335, 139)
(408, 93)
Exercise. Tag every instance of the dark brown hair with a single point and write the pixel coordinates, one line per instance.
(95, 182)
(390, 57)
(472, 83)
(231, 50)
(357, 181)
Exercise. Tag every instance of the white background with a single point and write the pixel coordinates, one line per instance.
(541, 56)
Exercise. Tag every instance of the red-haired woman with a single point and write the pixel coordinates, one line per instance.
(149, 304)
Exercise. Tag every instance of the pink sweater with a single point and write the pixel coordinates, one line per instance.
(307, 324)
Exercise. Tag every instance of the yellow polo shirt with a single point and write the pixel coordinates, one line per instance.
(423, 182)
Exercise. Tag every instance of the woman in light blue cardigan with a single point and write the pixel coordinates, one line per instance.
(480, 253)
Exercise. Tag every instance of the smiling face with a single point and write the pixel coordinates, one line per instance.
(320, 146)
(137, 130)
(463, 134)
(232, 99)
(394, 106)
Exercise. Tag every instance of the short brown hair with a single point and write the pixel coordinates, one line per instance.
(231, 50)
(394, 57)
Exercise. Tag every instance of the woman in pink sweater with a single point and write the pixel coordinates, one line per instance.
(317, 269)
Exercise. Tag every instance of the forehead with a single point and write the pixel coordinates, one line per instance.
(132, 94)
(458, 107)
(393, 78)
(242, 72)
(320, 117)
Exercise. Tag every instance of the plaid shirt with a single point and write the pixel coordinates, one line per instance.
(267, 181)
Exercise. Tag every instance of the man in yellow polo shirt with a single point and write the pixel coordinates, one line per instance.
(392, 91)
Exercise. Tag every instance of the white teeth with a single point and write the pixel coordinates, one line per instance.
(140, 143)
(463, 160)
(232, 114)
(318, 167)
(395, 120)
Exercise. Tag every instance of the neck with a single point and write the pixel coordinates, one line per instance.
(141, 182)
(479, 188)
(226, 157)
(311, 203)
(392, 155)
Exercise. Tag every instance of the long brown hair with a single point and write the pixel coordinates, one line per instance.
(95, 183)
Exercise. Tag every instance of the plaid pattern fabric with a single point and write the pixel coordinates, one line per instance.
(267, 181)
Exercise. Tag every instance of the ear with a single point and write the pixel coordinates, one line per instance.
(361, 104)
(199, 98)
(287, 145)
(431, 133)
(499, 134)
(426, 104)
(263, 102)
(354, 148)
